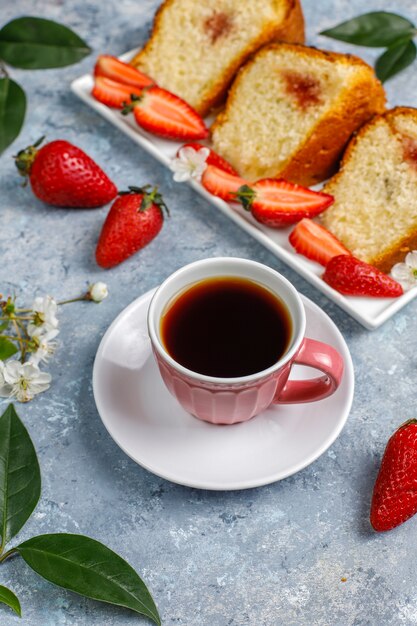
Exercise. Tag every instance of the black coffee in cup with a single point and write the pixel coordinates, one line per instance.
(226, 327)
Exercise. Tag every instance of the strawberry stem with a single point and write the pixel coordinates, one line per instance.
(24, 158)
(149, 195)
(129, 106)
(407, 423)
(245, 195)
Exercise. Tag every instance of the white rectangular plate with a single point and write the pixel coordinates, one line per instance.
(370, 312)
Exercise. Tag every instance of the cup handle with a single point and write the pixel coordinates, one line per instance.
(322, 357)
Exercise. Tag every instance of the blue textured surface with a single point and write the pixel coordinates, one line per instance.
(264, 557)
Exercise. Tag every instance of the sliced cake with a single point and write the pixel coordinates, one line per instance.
(196, 48)
(291, 111)
(375, 208)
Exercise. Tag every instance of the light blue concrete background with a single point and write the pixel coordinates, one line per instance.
(272, 556)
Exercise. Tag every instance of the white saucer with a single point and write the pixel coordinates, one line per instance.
(149, 425)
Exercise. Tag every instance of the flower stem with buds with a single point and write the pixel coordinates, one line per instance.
(80, 299)
(32, 332)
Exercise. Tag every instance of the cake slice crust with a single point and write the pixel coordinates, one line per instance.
(291, 111)
(375, 208)
(196, 48)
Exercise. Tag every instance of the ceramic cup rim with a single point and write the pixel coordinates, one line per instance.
(298, 332)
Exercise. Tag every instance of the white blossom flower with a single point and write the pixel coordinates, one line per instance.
(45, 347)
(406, 273)
(98, 291)
(190, 164)
(22, 381)
(44, 318)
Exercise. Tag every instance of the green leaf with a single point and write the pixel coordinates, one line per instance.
(20, 479)
(395, 59)
(7, 349)
(12, 111)
(33, 43)
(9, 598)
(89, 568)
(374, 30)
(4, 325)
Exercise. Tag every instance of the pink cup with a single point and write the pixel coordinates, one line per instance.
(232, 400)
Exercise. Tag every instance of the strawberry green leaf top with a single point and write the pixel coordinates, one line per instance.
(149, 196)
(246, 196)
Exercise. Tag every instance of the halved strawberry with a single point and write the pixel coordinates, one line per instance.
(222, 184)
(315, 242)
(353, 277)
(213, 158)
(277, 203)
(163, 113)
(112, 67)
(113, 94)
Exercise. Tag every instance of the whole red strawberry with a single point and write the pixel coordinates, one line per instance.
(63, 175)
(134, 219)
(394, 499)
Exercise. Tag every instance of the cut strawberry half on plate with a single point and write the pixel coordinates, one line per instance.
(315, 242)
(222, 184)
(113, 94)
(277, 203)
(163, 113)
(213, 158)
(353, 277)
(112, 67)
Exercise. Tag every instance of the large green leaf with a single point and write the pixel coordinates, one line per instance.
(7, 348)
(20, 479)
(89, 568)
(9, 598)
(33, 43)
(374, 30)
(395, 59)
(12, 111)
